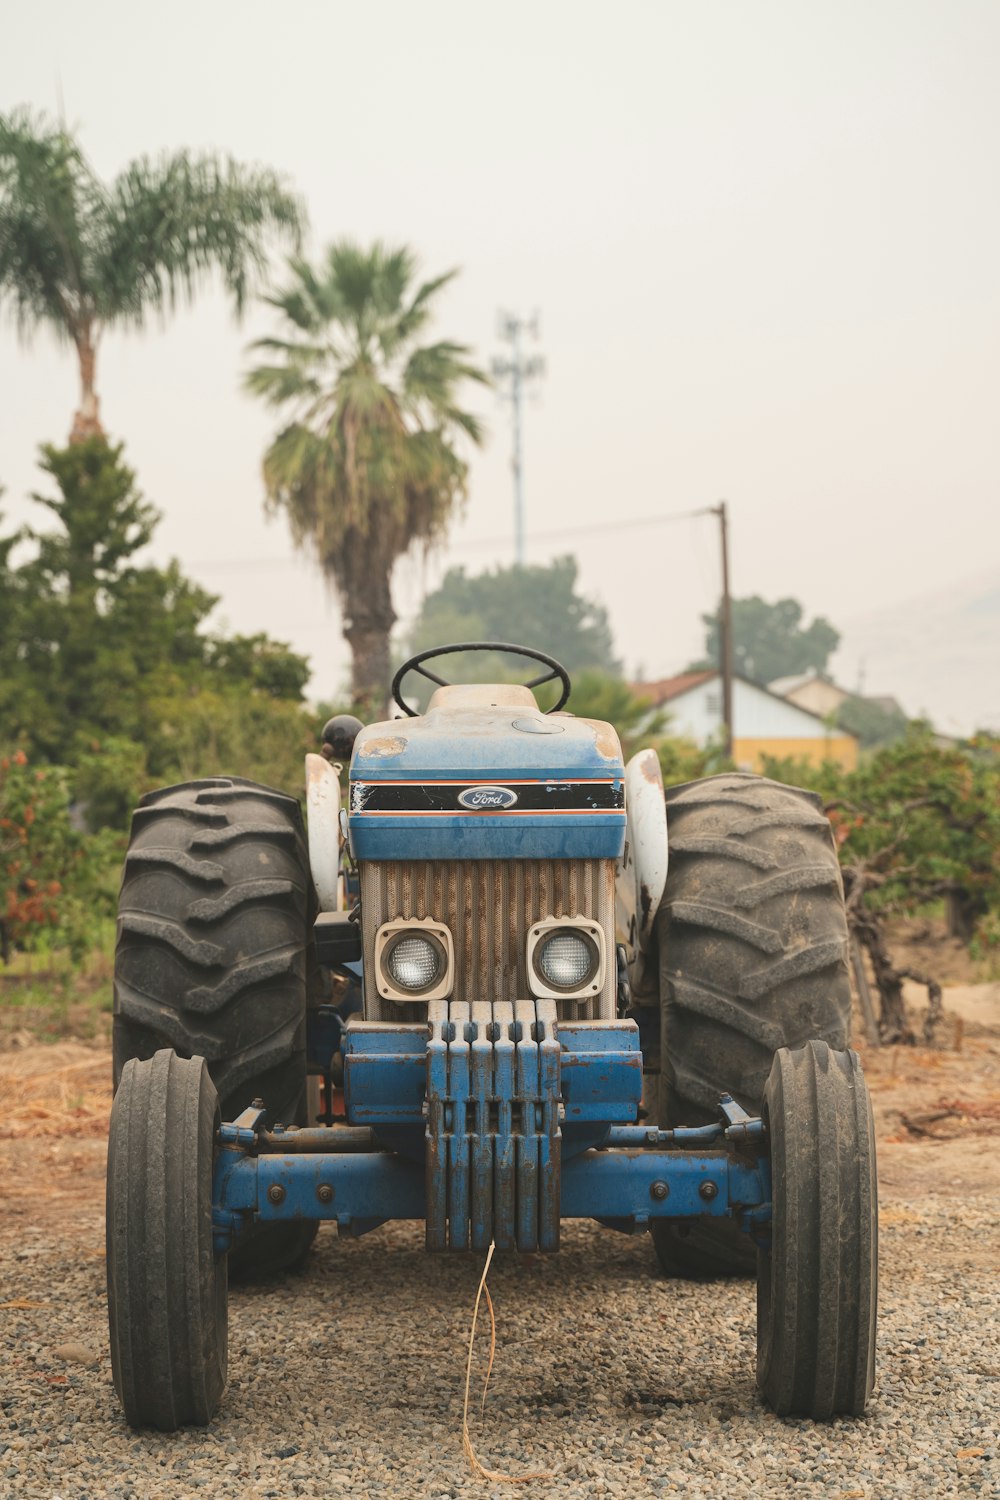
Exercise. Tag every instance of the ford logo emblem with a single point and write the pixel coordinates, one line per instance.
(487, 798)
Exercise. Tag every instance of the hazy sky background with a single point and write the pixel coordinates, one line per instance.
(764, 240)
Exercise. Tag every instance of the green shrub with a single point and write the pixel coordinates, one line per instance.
(57, 883)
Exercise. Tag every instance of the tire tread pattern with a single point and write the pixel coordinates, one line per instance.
(226, 971)
(735, 987)
(167, 1294)
(803, 991)
(213, 956)
(817, 1284)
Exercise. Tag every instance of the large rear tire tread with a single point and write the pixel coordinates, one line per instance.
(752, 941)
(817, 1283)
(214, 958)
(167, 1289)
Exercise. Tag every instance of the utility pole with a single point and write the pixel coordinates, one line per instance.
(725, 631)
(516, 370)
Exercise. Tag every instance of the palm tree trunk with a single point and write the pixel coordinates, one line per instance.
(368, 620)
(370, 674)
(86, 422)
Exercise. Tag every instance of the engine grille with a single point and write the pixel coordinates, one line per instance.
(489, 906)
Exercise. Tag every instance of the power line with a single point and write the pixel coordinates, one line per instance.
(559, 533)
(562, 533)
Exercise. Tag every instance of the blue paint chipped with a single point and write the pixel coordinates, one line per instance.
(446, 754)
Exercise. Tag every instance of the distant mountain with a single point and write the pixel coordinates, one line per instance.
(938, 653)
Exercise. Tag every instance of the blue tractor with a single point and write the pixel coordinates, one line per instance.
(582, 997)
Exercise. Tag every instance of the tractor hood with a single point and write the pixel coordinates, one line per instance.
(480, 779)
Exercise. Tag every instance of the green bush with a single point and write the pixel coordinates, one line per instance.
(917, 822)
(57, 883)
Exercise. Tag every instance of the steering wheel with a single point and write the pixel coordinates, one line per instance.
(557, 671)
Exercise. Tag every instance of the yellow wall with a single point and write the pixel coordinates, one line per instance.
(842, 748)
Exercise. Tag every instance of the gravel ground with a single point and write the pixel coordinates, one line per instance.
(348, 1378)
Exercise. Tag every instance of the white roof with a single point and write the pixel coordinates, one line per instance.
(783, 685)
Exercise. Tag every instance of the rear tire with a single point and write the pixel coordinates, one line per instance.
(752, 940)
(817, 1283)
(212, 956)
(167, 1289)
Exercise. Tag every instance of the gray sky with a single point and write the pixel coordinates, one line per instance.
(763, 238)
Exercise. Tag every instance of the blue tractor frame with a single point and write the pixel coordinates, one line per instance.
(493, 1078)
(499, 1129)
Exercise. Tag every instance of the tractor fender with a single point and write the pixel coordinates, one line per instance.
(643, 871)
(323, 824)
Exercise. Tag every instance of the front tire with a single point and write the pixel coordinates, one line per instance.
(817, 1283)
(167, 1288)
(212, 956)
(752, 940)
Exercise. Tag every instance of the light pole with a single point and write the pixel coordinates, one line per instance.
(725, 631)
(511, 373)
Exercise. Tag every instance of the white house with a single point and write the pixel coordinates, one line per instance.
(763, 722)
(811, 690)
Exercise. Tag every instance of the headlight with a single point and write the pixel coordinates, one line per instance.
(414, 960)
(566, 957)
(565, 960)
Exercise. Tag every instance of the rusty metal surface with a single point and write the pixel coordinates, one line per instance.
(526, 1087)
(500, 1156)
(435, 1140)
(606, 741)
(493, 1138)
(489, 905)
(386, 746)
(342, 1138)
(504, 1149)
(483, 1137)
(547, 1125)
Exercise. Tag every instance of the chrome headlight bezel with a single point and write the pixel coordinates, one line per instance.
(438, 937)
(590, 934)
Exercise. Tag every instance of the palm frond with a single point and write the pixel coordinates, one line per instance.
(470, 425)
(309, 301)
(368, 463)
(414, 317)
(430, 380)
(171, 222)
(50, 207)
(302, 352)
(280, 384)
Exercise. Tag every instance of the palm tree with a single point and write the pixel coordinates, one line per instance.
(82, 256)
(367, 463)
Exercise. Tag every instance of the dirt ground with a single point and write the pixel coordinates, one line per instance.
(604, 1413)
(937, 1112)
